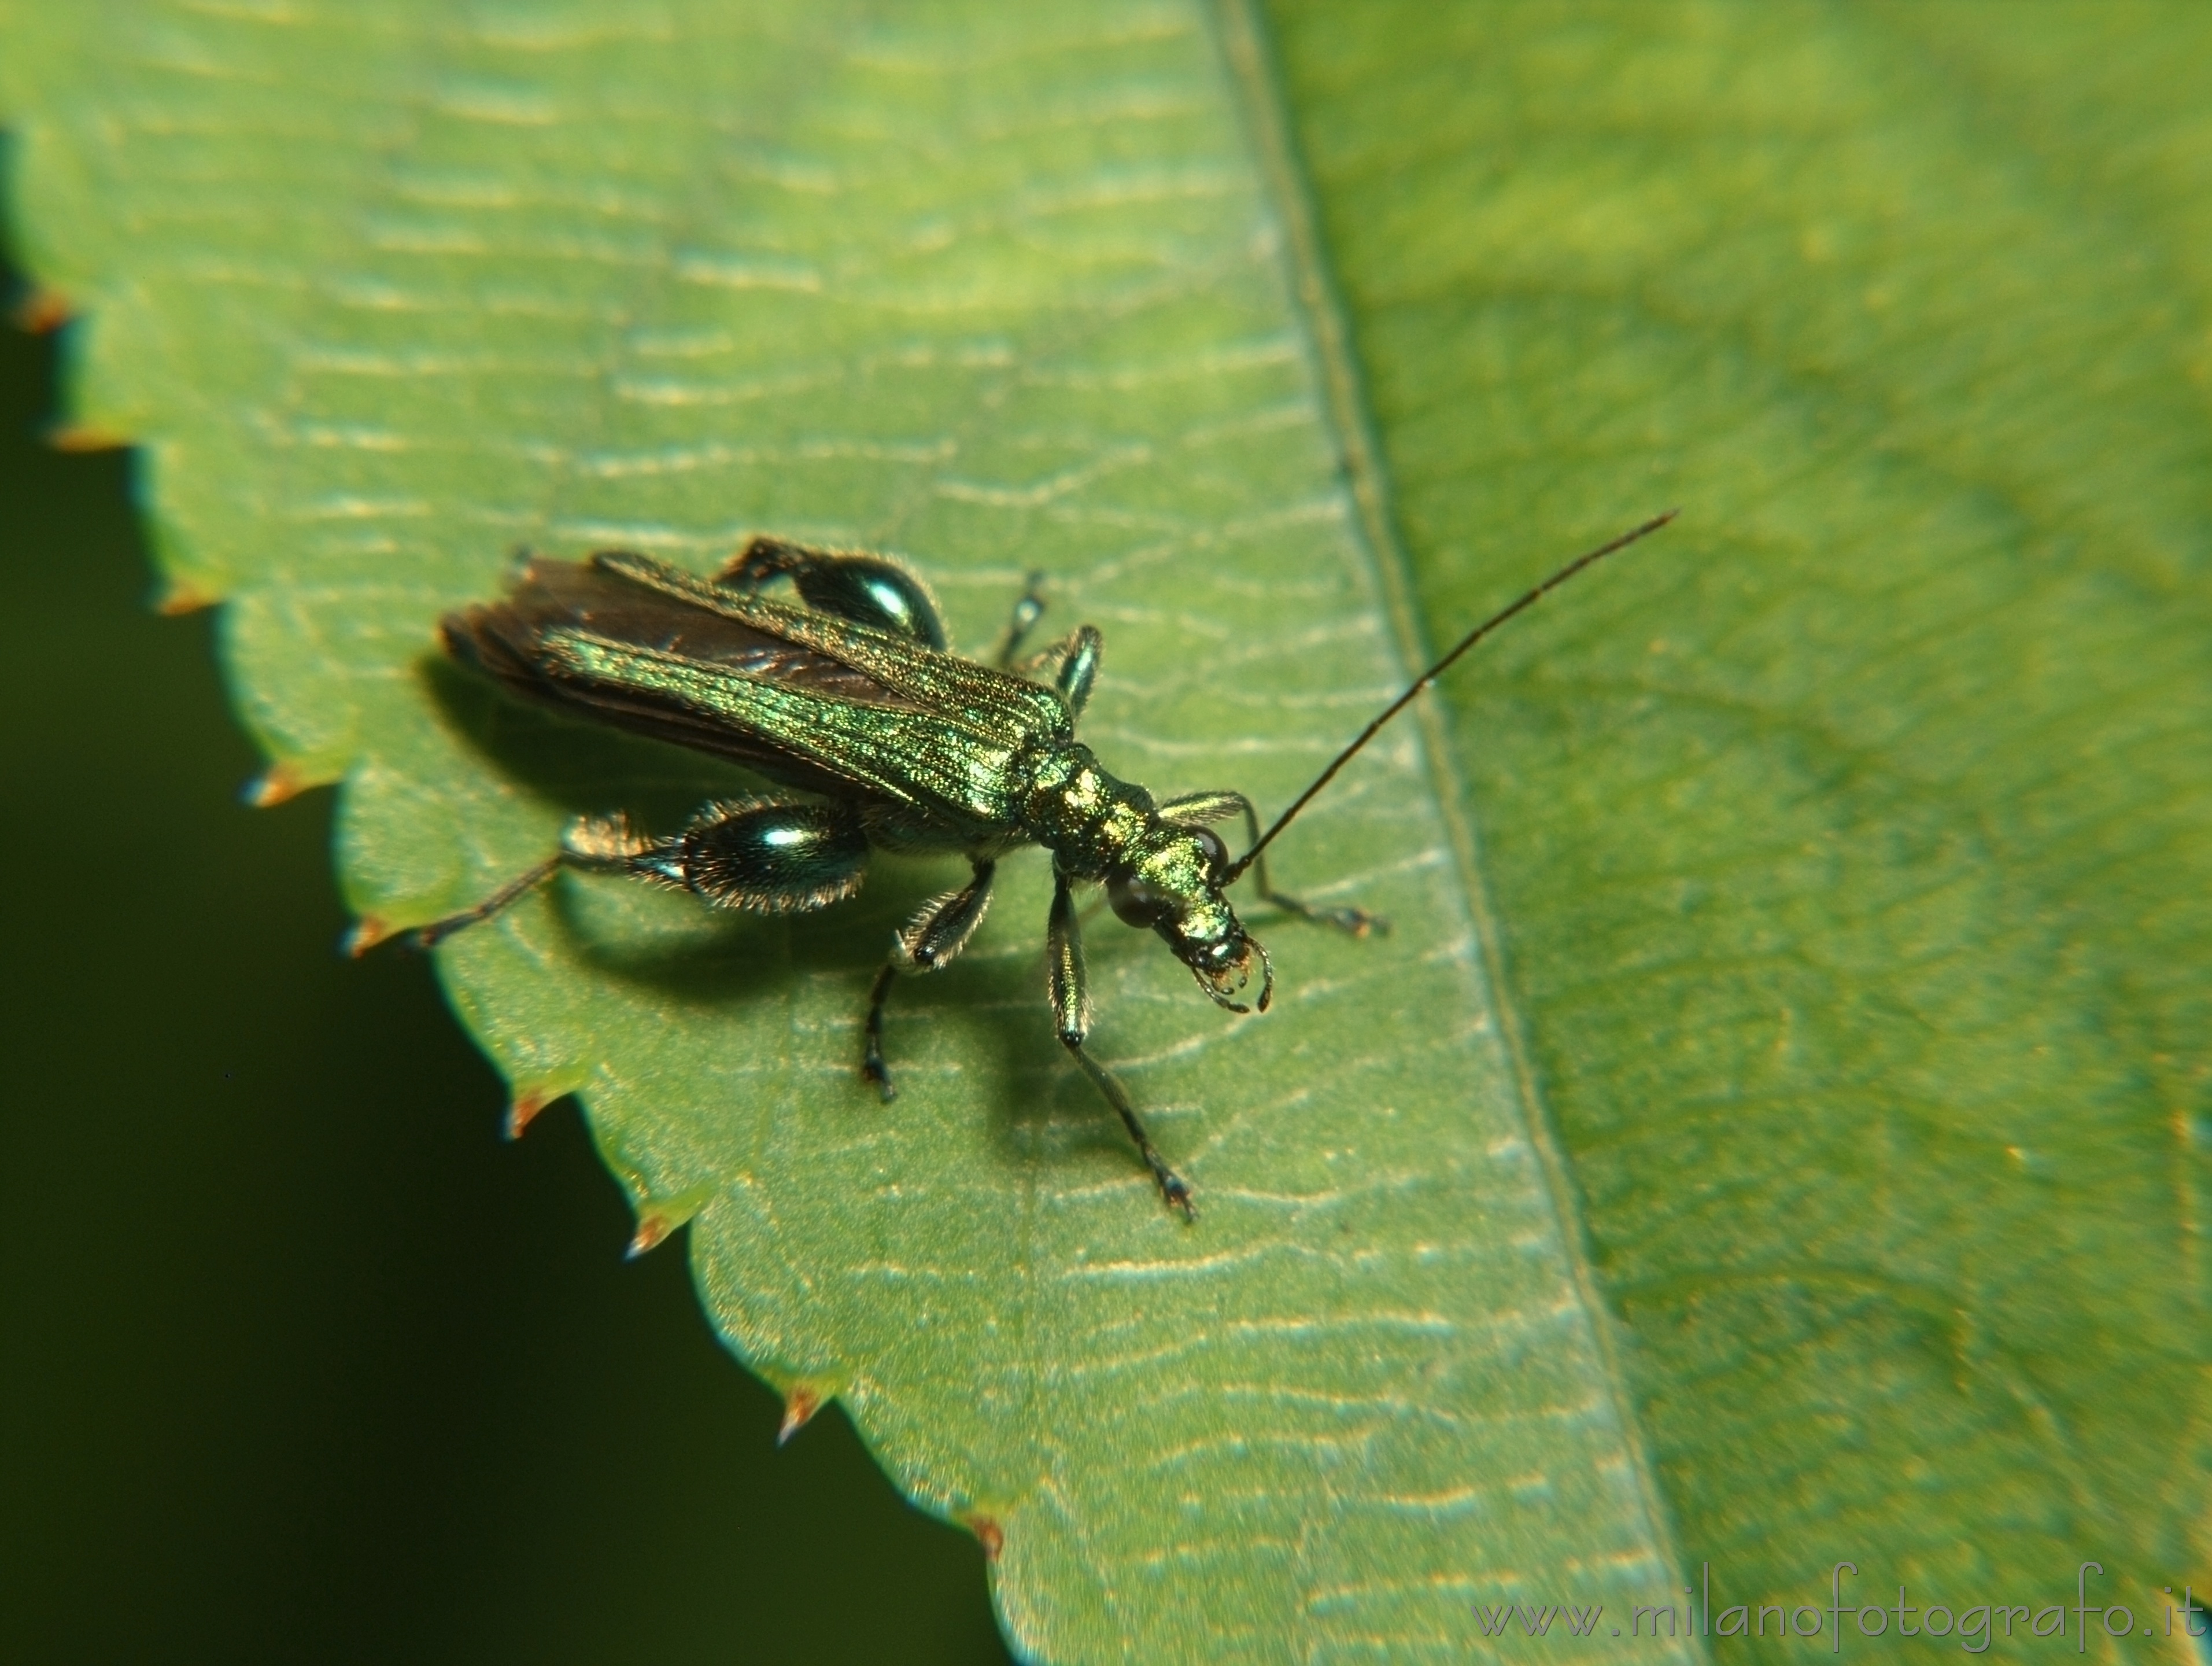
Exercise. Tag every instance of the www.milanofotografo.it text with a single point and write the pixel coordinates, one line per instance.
(1974, 1628)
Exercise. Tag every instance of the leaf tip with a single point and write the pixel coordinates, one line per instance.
(530, 1096)
(75, 437)
(800, 1406)
(279, 783)
(43, 311)
(989, 1535)
(181, 597)
(657, 1217)
(522, 1110)
(653, 1231)
(363, 935)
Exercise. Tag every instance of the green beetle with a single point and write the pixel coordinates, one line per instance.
(882, 739)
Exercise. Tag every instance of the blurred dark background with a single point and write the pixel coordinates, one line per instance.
(301, 1361)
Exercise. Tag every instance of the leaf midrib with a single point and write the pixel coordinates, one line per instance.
(1254, 71)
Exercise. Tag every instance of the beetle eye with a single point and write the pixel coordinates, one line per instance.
(1216, 854)
(1134, 903)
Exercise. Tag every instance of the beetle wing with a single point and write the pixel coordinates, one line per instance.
(739, 683)
(550, 597)
(943, 683)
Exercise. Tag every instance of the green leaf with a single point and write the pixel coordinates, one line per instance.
(1775, 1133)
(1850, 855)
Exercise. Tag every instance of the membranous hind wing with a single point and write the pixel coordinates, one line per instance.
(806, 699)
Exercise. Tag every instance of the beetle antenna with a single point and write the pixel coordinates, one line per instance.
(1237, 868)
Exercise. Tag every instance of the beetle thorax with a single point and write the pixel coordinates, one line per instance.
(1164, 876)
(1090, 820)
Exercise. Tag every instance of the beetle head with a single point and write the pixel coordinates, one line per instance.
(1174, 886)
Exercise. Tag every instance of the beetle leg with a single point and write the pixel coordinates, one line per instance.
(1071, 1017)
(741, 853)
(764, 558)
(925, 944)
(597, 844)
(868, 589)
(931, 939)
(766, 857)
(1071, 664)
(1196, 809)
(872, 1066)
(1028, 608)
(424, 937)
(1079, 668)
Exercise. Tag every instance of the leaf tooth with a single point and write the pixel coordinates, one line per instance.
(989, 1533)
(42, 311)
(75, 437)
(657, 1217)
(180, 596)
(532, 1096)
(801, 1401)
(284, 780)
(364, 935)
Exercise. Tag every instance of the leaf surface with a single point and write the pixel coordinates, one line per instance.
(1800, 929)
(1852, 863)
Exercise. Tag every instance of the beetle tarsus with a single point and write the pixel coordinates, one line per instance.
(1175, 1193)
(1027, 609)
(1174, 1190)
(872, 1067)
(429, 936)
(1068, 990)
(1356, 922)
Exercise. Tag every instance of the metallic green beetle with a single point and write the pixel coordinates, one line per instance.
(898, 746)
